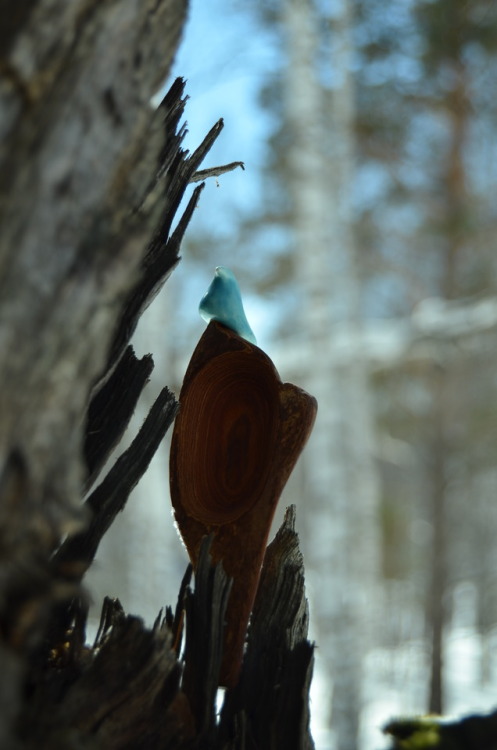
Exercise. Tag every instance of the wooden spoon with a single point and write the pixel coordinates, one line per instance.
(235, 442)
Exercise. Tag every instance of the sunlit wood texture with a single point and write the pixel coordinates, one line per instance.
(238, 435)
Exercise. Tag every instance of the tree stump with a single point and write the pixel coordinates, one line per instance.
(91, 179)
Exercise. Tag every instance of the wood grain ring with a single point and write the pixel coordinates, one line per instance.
(234, 402)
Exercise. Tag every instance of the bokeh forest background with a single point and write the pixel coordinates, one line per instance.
(363, 233)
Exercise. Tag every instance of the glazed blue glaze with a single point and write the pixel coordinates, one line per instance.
(223, 302)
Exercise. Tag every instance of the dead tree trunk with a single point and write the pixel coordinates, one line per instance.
(91, 177)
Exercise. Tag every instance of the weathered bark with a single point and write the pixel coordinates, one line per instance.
(127, 690)
(80, 156)
(80, 147)
(111, 408)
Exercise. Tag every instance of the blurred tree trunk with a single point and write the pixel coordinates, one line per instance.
(453, 226)
(437, 594)
(357, 433)
(342, 485)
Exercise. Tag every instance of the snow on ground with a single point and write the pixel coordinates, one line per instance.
(396, 684)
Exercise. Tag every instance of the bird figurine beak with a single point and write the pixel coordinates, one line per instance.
(223, 302)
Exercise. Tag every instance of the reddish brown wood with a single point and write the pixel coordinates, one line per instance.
(238, 435)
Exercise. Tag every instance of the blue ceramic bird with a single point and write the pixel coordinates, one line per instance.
(223, 302)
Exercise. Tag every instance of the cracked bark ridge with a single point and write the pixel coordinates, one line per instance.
(123, 692)
(76, 554)
(205, 619)
(111, 409)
